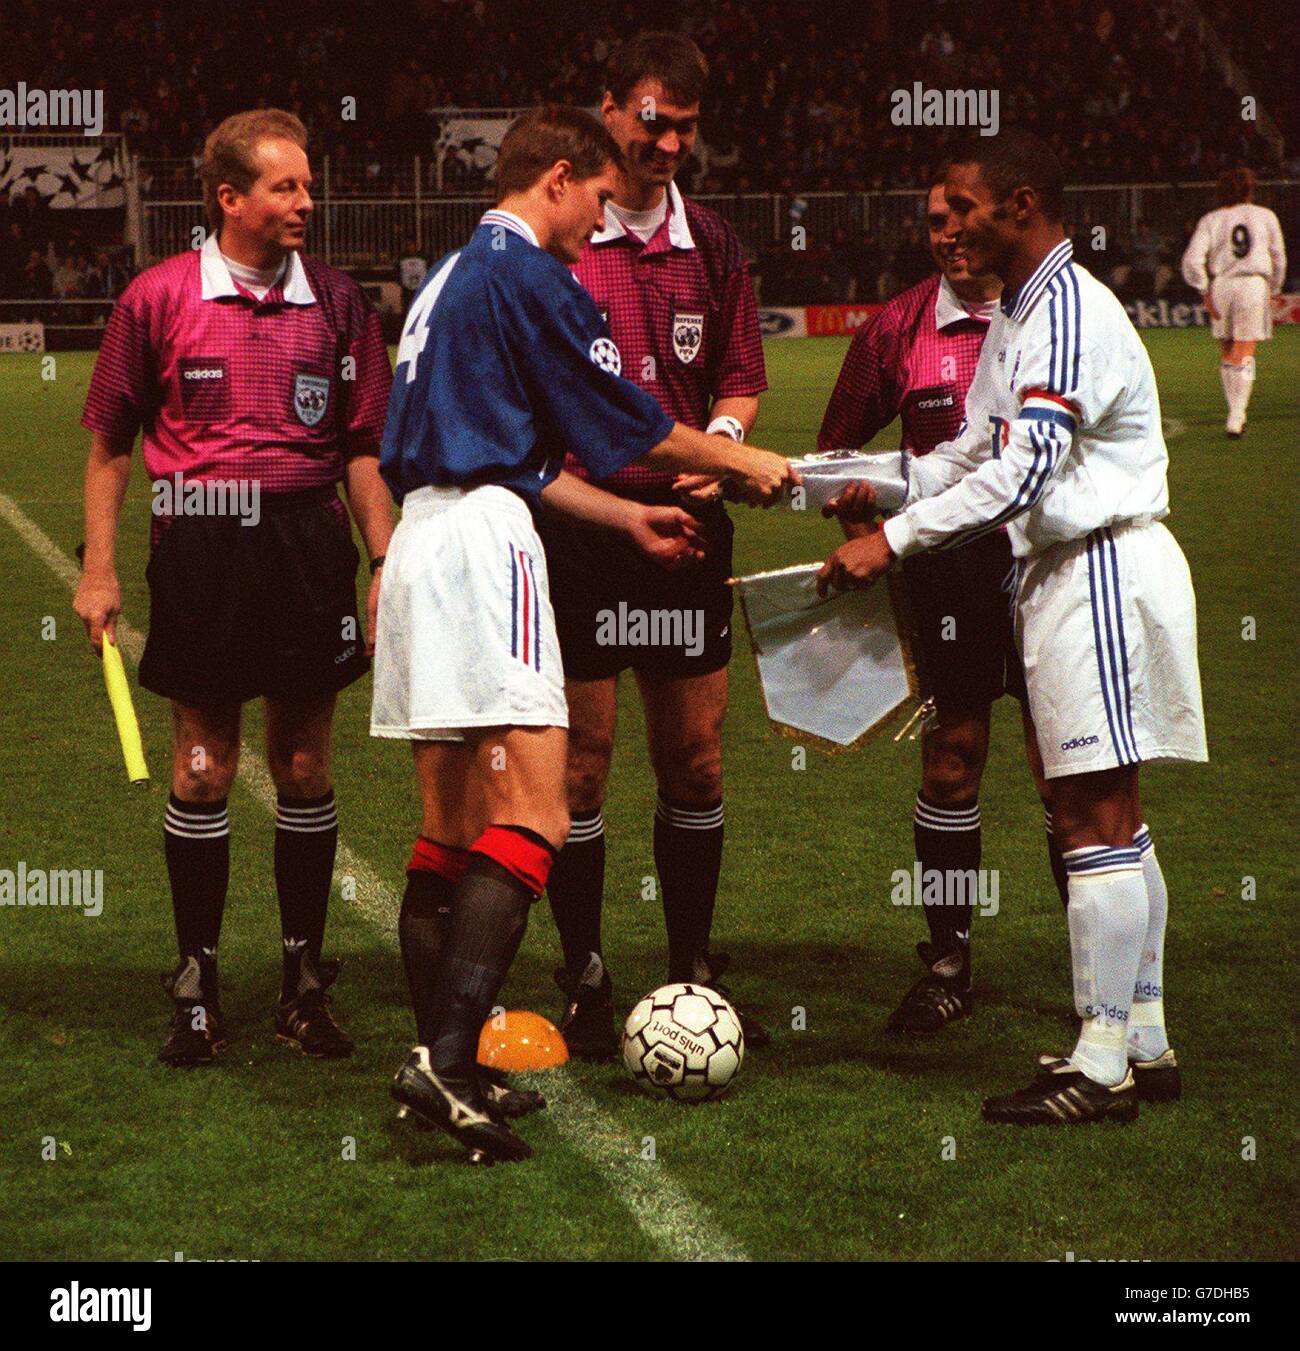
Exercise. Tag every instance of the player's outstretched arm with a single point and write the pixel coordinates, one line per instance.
(948, 463)
(99, 597)
(986, 497)
(668, 535)
(760, 477)
(733, 416)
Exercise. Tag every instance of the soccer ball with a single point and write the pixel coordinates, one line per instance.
(683, 1042)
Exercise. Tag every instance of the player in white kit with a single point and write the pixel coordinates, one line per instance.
(1237, 260)
(1062, 445)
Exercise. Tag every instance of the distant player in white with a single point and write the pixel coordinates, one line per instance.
(1237, 260)
(1062, 445)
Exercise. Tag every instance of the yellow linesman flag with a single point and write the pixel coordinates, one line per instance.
(128, 728)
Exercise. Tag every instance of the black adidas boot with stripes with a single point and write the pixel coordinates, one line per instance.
(709, 969)
(1158, 1080)
(457, 1107)
(198, 1029)
(1061, 1095)
(587, 1023)
(306, 1021)
(940, 997)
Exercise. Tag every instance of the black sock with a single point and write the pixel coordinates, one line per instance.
(947, 840)
(196, 839)
(1057, 862)
(688, 857)
(306, 837)
(576, 889)
(489, 913)
(422, 927)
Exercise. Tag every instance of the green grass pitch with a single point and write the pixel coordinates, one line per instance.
(832, 1143)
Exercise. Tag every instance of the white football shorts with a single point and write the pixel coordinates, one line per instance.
(1245, 309)
(1107, 629)
(466, 635)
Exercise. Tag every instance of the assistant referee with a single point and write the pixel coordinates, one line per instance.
(263, 375)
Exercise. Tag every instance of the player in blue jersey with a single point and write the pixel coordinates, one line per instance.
(504, 364)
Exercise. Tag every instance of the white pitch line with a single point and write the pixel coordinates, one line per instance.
(665, 1211)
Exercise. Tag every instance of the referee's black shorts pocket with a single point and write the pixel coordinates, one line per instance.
(306, 574)
(199, 623)
(964, 623)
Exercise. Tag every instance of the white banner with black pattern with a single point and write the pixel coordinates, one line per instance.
(65, 175)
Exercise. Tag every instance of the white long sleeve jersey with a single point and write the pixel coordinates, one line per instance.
(1236, 241)
(1062, 433)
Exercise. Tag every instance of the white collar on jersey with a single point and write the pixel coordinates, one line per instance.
(679, 233)
(217, 281)
(1019, 303)
(510, 221)
(948, 308)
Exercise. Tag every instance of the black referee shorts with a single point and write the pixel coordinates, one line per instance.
(963, 618)
(239, 611)
(604, 591)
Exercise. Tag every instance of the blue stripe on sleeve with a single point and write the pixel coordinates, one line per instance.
(1078, 327)
(1057, 415)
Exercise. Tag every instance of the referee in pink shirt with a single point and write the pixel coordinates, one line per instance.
(258, 380)
(915, 361)
(671, 280)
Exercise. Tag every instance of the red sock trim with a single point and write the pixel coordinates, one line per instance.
(527, 859)
(444, 859)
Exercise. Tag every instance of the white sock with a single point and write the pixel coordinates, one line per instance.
(1245, 382)
(1108, 923)
(1237, 381)
(1147, 1039)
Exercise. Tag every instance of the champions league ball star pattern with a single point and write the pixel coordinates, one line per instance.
(683, 1042)
(65, 176)
(605, 355)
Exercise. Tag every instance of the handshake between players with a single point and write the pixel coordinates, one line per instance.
(672, 536)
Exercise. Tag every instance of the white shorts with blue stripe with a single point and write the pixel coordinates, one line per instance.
(466, 635)
(1107, 629)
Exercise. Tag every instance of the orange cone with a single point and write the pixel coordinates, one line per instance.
(520, 1040)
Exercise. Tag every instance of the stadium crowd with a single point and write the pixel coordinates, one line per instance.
(48, 255)
(800, 103)
(852, 266)
(800, 98)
